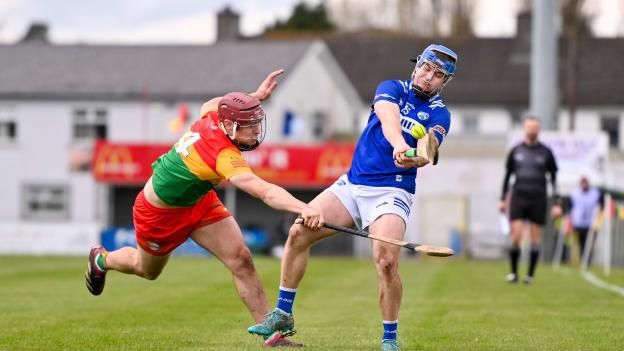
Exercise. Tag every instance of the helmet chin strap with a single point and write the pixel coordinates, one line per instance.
(234, 127)
(232, 138)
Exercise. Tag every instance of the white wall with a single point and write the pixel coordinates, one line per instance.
(48, 239)
(11, 161)
(473, 179)
(621, 128)
(41, 155)
(147, 122)
(44, 138)
(313, 85)
(498, 121)
(38, 155)
(585, 120)
(492, 120)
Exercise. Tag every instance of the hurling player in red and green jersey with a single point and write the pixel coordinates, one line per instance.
(178, 202)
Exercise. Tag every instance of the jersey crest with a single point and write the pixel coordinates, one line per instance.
(437, 103)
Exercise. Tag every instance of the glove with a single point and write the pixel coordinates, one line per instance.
(418, 130)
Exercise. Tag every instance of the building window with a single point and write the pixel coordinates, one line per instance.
(89, 124)
(471, 124)
(8, 131)
(318, 124)
(8, 125)
(610, 125)
(517, 117)
(45, 202)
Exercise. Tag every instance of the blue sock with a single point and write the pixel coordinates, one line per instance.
(390, 330)
(285, 299)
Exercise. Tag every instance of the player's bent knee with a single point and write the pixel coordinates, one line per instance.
(241, 261)
(386, 265)
(299, 237)
(150, 275)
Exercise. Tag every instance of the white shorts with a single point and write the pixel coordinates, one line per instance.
(367, 203)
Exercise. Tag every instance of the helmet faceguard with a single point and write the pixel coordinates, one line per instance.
(442, 59)
(244, 111)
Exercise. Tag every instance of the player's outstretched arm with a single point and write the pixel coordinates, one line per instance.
(262, 93)
(277, 198)
(267, 86)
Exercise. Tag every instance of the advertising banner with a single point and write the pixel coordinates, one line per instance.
(125, 163)
(314, 166)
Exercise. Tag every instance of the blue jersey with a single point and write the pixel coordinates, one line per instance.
(372, 163)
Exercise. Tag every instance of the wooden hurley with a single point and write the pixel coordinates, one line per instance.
(430, 250)
(427, 148)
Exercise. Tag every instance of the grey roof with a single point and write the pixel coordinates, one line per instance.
(44, 71)
(489, 71)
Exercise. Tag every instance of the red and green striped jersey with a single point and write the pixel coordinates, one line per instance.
(200, 160)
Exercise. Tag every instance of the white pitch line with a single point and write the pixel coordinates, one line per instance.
(592, 279)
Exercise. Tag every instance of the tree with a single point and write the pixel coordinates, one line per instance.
(461, 18)
(424, 18)
(575, 25)
(306, 18)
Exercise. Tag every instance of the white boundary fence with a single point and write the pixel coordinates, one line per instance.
(608, 237)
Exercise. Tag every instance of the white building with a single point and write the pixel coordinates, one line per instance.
(55, 100)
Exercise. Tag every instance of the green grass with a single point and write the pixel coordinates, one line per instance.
(448, 305)
(616, 276)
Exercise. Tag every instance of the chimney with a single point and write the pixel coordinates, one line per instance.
(523, 27)
(227, 25)
(37, 33)
(521, 52)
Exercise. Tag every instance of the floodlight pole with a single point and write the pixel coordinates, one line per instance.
(544, 68)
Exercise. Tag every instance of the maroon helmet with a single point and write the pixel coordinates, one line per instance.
(244, 111)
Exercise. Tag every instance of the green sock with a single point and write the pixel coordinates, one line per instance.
(100, 261)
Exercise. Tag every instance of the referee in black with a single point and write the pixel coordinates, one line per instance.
(529, 162)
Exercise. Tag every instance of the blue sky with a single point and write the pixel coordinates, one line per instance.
(193, 21)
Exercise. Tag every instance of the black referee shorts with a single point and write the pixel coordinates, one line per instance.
(528, 207)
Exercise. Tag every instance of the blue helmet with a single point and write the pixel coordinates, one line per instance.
(447, 64)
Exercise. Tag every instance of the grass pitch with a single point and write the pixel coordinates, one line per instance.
(448, 304)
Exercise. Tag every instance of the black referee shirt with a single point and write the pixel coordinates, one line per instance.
(529, 164)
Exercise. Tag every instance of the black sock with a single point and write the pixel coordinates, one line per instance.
(514, 254)
(533, 257)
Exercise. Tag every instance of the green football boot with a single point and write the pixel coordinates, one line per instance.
(276, 321)
(390, 345)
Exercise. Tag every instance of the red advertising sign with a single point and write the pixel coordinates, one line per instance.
(293, 166)
(125, 163)
(301, 166)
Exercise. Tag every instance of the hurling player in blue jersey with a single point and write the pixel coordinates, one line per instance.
(378, 190)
